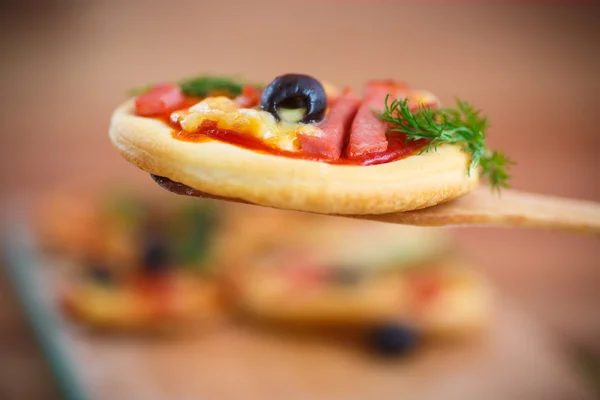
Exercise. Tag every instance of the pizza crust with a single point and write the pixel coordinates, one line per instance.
(195, 303)
(461, 307)
(229, 171)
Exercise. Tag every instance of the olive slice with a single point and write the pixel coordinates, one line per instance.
(393, 339)
(155, 257)
(295, 91)
(100, 273)
(346, 276)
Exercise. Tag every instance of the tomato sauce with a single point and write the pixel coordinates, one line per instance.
(398, 148)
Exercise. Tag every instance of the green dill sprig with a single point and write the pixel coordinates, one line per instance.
(463, 125)
(495, 168)
(139, 90)
(203, 85)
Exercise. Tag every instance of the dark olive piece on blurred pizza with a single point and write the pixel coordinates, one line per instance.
(155, 254)
(100, 273)
(392, 339)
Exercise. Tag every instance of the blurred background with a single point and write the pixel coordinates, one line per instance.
(532, 67)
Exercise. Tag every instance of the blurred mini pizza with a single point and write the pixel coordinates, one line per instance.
(360, 277)
(144, 302)
(138, 267)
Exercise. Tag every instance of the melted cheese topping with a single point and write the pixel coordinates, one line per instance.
(423, 97)
(260, 124)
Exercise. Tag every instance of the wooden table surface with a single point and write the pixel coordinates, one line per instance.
(517, 358)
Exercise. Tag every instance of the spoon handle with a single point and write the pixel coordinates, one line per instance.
(511, 209)
(481, 207)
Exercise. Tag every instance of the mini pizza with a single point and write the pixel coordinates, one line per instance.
(389, 284)
(437, 299)
(302, 144)
(161, 293)
(137, 267)
(144, 302)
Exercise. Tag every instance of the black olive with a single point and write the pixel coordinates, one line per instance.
(295, 91)
(393, 339)
(155, 254)
(346, 276)
(100, 273)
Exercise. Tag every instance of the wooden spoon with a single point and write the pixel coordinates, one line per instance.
(481, 208)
